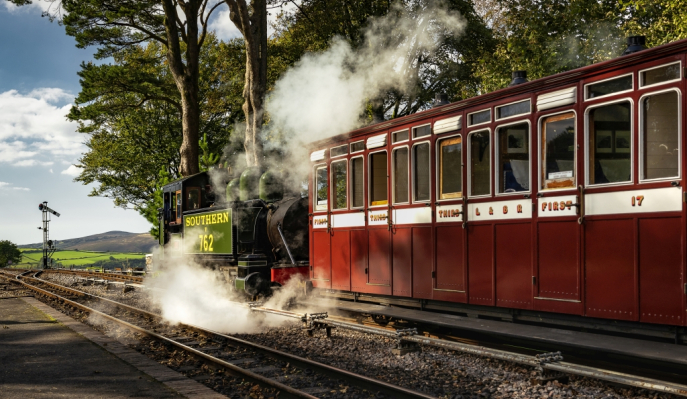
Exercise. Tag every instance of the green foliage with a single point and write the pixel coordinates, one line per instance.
(660, 21)
(9, 253)
(208, 158)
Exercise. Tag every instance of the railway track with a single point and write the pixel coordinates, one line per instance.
(276, 371)
(105, 276)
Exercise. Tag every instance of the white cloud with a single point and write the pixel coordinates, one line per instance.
(2, 184)
(36, 5)
(223, 27)
(5, 185)
(21, 188)
(72, 170)
(50, 170)
(34, 127)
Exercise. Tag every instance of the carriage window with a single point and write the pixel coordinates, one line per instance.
(608, 87)
(610, 144)
(172, 208)
(450, 168)
(399, 136)
(509, 110)
(480, 162)
(558, 151)
(421, 172)
(514, 158)
(660, 133)
(338, 151)
(479, 117)
(193, 198)
(357, 185)
(400, 168)
(339, 189)
(659, 75)
(357, 146)
(321, 187)
(178, 198)
(378, 175)
(422, 131)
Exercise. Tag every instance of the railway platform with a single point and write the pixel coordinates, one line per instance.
(606, 347)
(43, 355)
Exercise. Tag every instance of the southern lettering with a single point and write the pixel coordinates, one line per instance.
(206, 220)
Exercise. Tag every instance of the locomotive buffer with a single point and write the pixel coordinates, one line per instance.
(48, 244)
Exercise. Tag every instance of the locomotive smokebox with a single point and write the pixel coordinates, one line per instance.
(291, 217)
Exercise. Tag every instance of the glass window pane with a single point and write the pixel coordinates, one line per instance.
(400, 168)
(357, 185)
(662, 74)
(514, 159)
(321, 188)
(193, 199)
(378, 176)
(522, 107)
(558, 151)
(609, 144)
(661, 152)
(399, 136)
(178, 206)
(339, 178)
(358, 146)
(421, 172)
(480, 160)
(450, 168)
(340, 150)
(480, 117)
(421, 131)
(609, 87)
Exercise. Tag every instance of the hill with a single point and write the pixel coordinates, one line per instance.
(112, 241)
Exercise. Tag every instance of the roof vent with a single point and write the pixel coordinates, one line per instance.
(634, 44)
(440, 99)
(518, 78)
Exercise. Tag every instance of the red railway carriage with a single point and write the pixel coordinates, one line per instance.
(564, 194)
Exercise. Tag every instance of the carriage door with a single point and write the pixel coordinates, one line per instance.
(557, 276)
(321, 224)
(343, 220)
(633, 198)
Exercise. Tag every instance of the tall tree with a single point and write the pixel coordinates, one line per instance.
(660, 21)
(181, 26)
(9, 253)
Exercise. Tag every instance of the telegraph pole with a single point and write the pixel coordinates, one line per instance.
(47, 242)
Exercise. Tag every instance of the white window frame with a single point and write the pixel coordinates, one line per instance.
(540, 159)
(640, 153)
(491, 164)
(496, 110)
(414, 128)
(369, 181)
(586, 86)
(438, 169)
(393, 136)
(317, 207)
(632, 143)
(350, 149)
(412, 172)
(393, 175)
(331, 186)
(497, 176)
(337, 156)
(491, 114)
(643, 86)
(350, 186)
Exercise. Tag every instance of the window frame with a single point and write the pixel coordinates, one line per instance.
(316, 207)
(341, 155)
(414, 128)
(491, 165)
(350, 147)
(632, 143)
(641, 86)
(467, 122)
(496, 178)
(412, 172)
(331, 186)
(540, 159)
(350, 186)
(640, 136)
(369, 181)
(393, 175)
(586, 85)
(438, 169)
(496, 107)
(393, 136)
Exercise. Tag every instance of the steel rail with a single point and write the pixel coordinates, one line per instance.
(560, 366)
(357, 379)
(112, 276)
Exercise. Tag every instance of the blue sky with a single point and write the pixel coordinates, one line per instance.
(38, 146)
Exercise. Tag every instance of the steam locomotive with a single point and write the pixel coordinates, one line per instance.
(255, 233)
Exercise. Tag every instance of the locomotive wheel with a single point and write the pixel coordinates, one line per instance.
(381, 319)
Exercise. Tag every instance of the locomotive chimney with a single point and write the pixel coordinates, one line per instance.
(440, 99)
(634, 44)
(518, 78)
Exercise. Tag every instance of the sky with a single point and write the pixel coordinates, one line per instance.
(38, 146)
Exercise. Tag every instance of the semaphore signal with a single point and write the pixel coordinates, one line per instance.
(48, 244)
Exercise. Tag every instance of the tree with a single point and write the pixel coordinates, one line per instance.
(9, 253)
(660, 21)
(179, 25)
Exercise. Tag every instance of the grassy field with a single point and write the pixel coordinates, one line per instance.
(73, 258)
